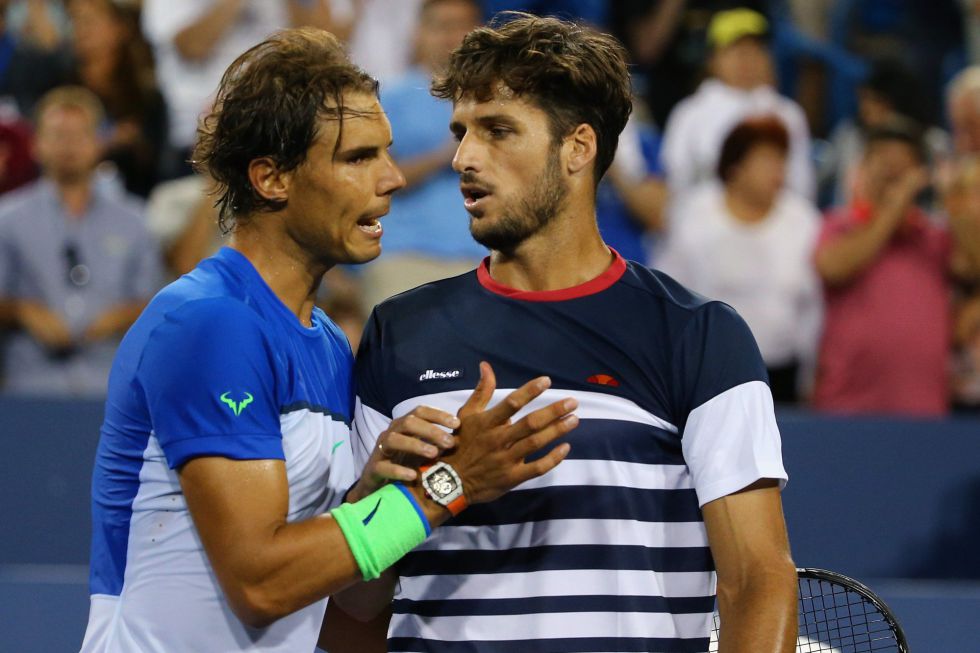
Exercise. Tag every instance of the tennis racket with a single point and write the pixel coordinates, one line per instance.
(839, 615)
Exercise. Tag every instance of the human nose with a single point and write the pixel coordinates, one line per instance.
(467, 156)
(392, 179)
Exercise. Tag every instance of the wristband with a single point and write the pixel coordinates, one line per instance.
(382, 527)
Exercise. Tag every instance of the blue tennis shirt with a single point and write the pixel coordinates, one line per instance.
(216, 366)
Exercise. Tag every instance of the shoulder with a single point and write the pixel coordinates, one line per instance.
(798, 210)
(19, 204)
(129, 211)
(445, 292)
(662, 290)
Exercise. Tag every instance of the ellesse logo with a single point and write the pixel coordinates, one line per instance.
(603, 379)
(440, 375)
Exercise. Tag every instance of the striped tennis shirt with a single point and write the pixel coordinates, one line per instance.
(607, 552)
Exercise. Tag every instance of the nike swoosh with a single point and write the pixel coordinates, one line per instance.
(370, 515)
(336, 446)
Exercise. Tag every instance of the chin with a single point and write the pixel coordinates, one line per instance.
(363, 255)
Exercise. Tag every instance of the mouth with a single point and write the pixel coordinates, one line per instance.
(474, 196)
(371, 226)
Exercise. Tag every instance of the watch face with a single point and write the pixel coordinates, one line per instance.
(442, 483)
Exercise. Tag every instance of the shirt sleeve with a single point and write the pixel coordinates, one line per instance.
(372, 414)
(209, 375)
(729, 437)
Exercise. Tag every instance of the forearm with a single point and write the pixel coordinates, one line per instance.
(119, 317)
(840, 261)
(759, 615)
(291, 565)
(197, 40)
(645, 201)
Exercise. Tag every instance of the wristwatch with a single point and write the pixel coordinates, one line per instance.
(443, 485)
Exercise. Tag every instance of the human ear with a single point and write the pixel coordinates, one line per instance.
(581, 147)
(267, 180)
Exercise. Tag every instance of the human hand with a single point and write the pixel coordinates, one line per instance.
(44, 325)
(490, 452)
(403, 446)
(900, 195)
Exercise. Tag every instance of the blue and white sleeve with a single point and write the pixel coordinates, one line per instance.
(209, 375)
(730, 438)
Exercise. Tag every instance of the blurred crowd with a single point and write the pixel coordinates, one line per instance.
(814, 163)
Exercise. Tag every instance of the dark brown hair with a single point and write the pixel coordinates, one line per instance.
(901, 129)
(269, 104)
(761, 130)
(573, 73)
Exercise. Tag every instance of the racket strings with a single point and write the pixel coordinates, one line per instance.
(836, 619)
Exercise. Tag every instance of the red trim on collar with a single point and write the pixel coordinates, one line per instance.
(612, 274)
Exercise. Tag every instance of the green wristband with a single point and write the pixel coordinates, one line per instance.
(382, 527)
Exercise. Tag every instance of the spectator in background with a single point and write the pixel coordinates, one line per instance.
(108, 55)
(112, 59)
(890, 92)
(76, 263)
(741, 85)
(26, 70)
(749, 242)
(884, 263)
(42, 24)
(181, 215)
(962, 204)
(426, 233)
(963, 101)
(631, 197)
(195, 40)
(17, 166)
(371, 23)
(595, 12)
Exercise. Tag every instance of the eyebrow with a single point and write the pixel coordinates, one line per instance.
(365, 150)
(483, 121)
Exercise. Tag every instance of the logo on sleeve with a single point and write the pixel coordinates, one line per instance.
(236, 406)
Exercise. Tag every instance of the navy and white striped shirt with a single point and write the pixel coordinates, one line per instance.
(607, 552)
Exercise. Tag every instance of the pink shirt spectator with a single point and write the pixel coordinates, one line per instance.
(886, 341)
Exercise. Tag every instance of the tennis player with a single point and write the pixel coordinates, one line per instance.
(671, 493)
(226, 434)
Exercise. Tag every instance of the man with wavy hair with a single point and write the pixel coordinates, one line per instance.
(227, 426)
(672, 486)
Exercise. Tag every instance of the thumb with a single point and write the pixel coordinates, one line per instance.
(482, 394)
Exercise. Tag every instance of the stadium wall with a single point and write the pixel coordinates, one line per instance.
(892, 502)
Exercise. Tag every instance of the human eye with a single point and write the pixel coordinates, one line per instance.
(498, 132)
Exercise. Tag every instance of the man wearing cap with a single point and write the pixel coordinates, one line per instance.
(740, 85)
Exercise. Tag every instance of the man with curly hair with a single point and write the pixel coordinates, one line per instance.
(671, 493)
(227, 425)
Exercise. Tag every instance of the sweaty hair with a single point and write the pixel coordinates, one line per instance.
(269, 104)
(574, 74)
(763, 130)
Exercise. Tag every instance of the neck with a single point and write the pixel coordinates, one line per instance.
(75, 196)
(745, 209)
(568, 252)
(290, 272)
